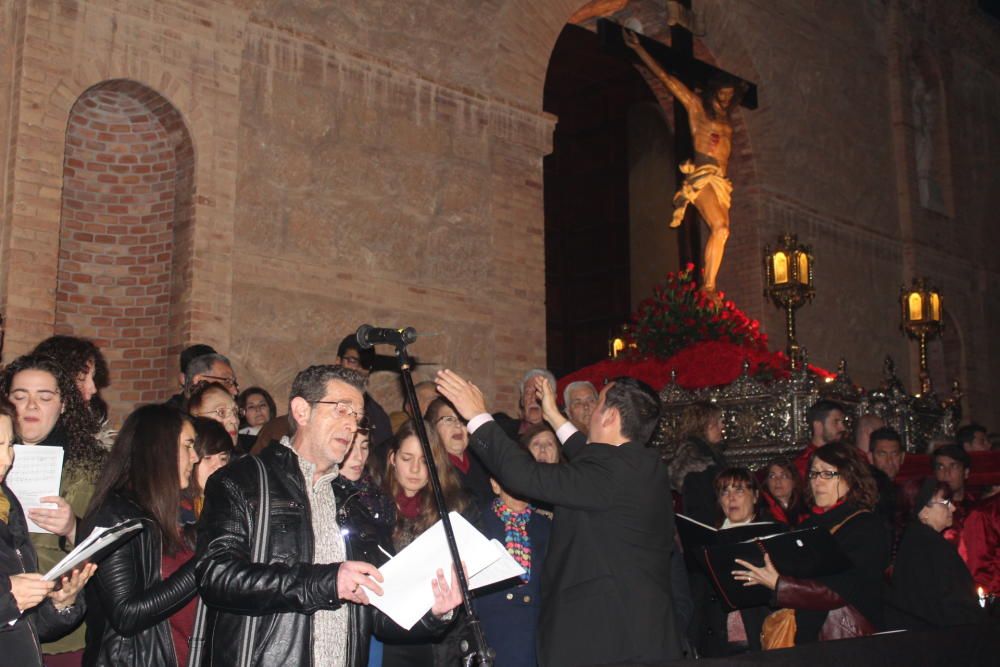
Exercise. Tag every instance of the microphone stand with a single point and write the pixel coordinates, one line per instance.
(482, 653)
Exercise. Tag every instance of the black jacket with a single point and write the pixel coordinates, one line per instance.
(606, 591)
(128, 602)
(931, 586)
(286, 591)
(19, 643)
(865, 541)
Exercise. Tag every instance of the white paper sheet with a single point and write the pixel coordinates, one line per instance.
(407, 577)
(37, 472)
(100, 538)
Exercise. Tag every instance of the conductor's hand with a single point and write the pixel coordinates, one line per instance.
(446, 597)
(547, 399)
(465, 396)
(354, 577)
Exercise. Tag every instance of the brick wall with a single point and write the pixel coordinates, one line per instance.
(126, 193)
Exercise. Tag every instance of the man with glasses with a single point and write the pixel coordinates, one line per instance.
(307, 593)
(350, 355)
(211, 368)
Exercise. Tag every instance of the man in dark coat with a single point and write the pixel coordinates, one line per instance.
(606, 581)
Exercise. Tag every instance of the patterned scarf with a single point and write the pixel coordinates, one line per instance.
(516, 540)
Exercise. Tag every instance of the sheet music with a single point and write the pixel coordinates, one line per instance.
(100, 538)
(37, 472)
(407, 577)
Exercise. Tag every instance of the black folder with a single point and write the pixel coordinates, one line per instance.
(803, 554)
(695, 536)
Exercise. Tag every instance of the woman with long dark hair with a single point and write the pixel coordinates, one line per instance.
(214, 448)
(84, 362)
(842, 494)
(51, 412)
(783, 493)
(141, 604)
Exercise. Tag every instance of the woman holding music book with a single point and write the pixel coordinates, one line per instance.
(30, 609)
(733, 632)
(847, 604)
(141, 604)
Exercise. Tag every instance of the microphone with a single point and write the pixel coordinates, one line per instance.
(368, 336)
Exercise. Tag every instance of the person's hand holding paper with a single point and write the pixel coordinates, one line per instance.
(406, 595)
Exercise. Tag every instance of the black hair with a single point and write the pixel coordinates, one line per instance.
(193, 352)
(638, 406)
(821, 409)
(956, 452)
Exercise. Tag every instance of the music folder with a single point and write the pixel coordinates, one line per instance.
(695, 536)
(803, 554)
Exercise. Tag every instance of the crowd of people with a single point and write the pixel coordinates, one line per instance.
(263, 530)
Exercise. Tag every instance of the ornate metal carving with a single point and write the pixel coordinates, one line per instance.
(764, 419)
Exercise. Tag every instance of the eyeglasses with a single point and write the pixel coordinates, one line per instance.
(344, 409)
(946, 503)
(222, 413)
(227, 382)
(824, 474)
(448, 420)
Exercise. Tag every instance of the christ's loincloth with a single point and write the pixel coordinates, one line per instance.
(697, 179)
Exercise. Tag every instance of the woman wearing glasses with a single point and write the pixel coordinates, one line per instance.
(454, 437)
(848, 604)
(141, 602)
(931, 586)
(51, 412)
(213, 400)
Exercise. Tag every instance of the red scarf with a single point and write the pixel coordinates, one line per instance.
(824, 510)
(461, 462)
(409, 507)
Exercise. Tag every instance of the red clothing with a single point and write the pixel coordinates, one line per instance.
(802, 461)
(962, 509)
(980, 544)
(462, 462)
(181, 623)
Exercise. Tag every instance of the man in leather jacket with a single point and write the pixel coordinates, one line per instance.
(305, 602)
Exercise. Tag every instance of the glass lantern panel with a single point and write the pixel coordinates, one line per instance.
(780, 261)
(803, 268)
(916, 307)
(935, 307)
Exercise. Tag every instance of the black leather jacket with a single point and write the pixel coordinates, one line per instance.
(128, 602)
(286, 591)
(19, 643)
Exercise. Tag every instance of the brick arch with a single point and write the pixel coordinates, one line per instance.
(125, 233)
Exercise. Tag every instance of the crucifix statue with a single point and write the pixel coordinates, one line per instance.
(705, 185)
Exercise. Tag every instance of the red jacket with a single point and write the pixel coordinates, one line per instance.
(980, 545)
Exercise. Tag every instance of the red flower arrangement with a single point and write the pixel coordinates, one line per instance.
(679, 315)
(680, 329)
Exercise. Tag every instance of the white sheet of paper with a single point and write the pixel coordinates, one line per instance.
(407, 577)
(37, 472)
(98, 539)
(503, 568)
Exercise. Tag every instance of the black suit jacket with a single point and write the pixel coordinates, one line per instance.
(606, 594)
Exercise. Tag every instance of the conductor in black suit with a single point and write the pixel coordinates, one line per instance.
(606, 593)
